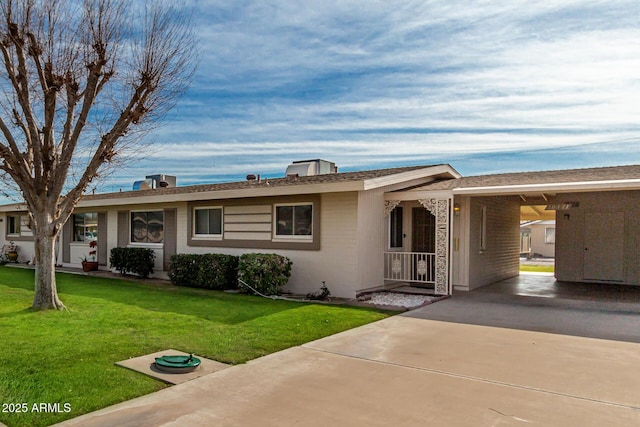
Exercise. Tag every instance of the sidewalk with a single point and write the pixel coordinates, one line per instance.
(408, 371)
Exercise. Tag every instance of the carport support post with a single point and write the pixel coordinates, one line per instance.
(440, 208)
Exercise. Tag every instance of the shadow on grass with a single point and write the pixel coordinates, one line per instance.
(211, 305)
(17, 313)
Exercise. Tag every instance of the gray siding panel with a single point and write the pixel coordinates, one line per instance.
(123, 228)
(170, 236)
(67, 232)
(242, 214)
(102, 238)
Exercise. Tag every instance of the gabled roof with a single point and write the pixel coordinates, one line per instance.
(589, 179)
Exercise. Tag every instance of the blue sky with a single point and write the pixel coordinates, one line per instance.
(487, 86)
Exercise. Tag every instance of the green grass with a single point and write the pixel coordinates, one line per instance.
(537, 268)
(68, 357)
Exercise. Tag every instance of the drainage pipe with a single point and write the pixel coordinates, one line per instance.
(275, 297)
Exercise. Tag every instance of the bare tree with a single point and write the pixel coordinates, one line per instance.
(82, 80)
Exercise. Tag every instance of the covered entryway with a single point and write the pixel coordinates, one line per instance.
(423, 259)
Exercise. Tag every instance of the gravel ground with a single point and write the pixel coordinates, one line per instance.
(398, 300)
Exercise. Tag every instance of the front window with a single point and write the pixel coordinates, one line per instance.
(147, 227)
(13, 224)
(208, 221)
(85, 227)
(294, 220)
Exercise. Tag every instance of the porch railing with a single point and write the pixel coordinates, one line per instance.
(416, 267)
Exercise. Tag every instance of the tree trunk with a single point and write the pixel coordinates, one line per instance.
(46, 292)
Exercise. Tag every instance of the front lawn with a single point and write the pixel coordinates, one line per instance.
(68, 357)
(537, 268)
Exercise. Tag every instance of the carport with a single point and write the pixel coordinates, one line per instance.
(542, 304)
(597, 213)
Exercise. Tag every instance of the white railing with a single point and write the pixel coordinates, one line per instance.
(417, 267)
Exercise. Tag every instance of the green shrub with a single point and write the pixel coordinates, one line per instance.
(184, 270)
(209, 271)
(138, 261)
(267, 273)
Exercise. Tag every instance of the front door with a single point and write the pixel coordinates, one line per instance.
(423, 241)
(423, 236)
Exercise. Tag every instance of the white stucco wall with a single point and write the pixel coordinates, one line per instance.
(371, 239)
(23, 241)
(538, 244)
(336, 261)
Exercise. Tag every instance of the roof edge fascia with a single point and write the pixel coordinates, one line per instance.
(428, 171)
(258, 191)
(582, 186)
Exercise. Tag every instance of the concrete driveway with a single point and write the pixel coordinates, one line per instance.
(605, 319)
(409, 370)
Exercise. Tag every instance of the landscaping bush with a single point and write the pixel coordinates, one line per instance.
(138, 261)
(184, 270)
(209, 271)
(267, 273)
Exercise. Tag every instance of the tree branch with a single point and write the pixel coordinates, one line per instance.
(104, 153)
(17, 37)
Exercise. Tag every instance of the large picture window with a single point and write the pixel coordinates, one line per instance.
(207, 222)
(295, 220)
(85, 227)
(147, 227)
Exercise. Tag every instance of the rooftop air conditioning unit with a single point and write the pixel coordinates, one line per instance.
(163, 180)
(311, 167)
(155, 181)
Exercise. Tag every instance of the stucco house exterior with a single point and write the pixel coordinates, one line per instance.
(361, 231)
(538, 238)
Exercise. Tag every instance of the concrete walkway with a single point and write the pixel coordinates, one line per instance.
(409, 371)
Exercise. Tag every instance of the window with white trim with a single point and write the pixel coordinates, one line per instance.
(207, 222)
(550, 235)
(294, 220)
(147, 227)
(13, 224)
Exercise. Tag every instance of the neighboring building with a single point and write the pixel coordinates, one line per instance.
(538, 238)
(360, 231)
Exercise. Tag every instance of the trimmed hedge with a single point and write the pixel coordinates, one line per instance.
(138, 261)
(209, 271)
(267, 273)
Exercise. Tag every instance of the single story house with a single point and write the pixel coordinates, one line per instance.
(361, 231)
(538, 238)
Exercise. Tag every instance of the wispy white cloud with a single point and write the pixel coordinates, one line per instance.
(366, 83)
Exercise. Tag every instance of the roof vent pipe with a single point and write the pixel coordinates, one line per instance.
(251, 178)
